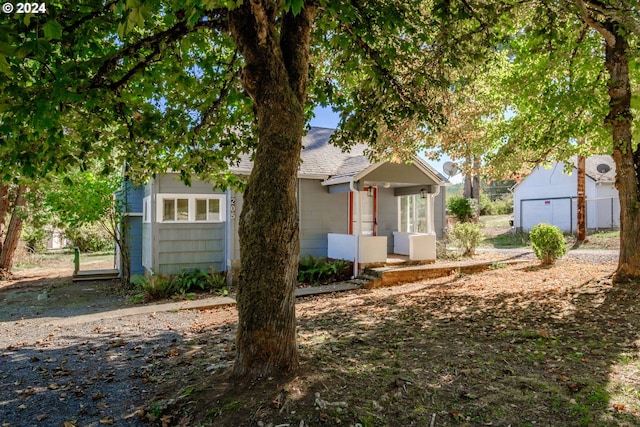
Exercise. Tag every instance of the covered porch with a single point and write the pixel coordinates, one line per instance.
(391, 209)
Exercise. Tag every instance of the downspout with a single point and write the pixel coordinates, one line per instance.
(356, 267)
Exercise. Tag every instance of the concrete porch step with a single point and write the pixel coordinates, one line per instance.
(391, 276)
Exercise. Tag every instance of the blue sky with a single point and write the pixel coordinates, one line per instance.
(326, 118)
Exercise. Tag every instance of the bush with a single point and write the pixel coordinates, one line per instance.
(183, 284)
(313, 269)
(463, 209)
(90, 238)
(189, 281)
(501, 206)
(153, 287)
(35, 238)
(468, 237)
(547, 242)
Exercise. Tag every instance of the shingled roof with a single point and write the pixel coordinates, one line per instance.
(320, 159)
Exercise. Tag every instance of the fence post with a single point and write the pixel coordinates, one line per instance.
(76, 259)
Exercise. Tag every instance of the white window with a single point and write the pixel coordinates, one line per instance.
(191, 208)
(208, 209)
(412, 214)
(146, 209)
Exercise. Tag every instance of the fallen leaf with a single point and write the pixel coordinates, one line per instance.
(618, 407)
(106, 420)
(97, 396)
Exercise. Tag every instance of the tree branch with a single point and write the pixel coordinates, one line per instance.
(154, 41)
(609, 37)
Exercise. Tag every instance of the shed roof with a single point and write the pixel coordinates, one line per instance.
(591, 168)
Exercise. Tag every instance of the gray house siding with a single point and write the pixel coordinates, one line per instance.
(170, 183)
(320, 213)
(190, 246)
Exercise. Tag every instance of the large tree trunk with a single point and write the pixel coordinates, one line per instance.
(275, 75)
(627, 160)
(11, 235)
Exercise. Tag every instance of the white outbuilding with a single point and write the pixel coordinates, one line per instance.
(549, 194)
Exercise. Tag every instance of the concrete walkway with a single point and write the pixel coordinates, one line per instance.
(201, 304)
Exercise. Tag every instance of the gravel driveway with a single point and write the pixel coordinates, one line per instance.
(82, 370)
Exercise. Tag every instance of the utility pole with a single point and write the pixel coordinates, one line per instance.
(582, 200)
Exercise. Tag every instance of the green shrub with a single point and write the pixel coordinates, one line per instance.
(193, 280)
(463, 209)
(547, 242)
(35, 238)
(314, 269)
(160, 286)
(90, 238)
(468, 236)
(153, 287)
(501, 206)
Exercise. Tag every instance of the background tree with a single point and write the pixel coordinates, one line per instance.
(84, 198)
(571, 80)
(12, 204)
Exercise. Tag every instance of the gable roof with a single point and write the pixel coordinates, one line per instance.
(591, 168)
(322, 160)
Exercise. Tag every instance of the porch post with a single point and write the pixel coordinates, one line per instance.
(431, 225)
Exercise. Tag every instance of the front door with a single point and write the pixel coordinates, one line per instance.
(366, 201)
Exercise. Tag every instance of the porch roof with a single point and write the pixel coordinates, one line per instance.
(395, 174)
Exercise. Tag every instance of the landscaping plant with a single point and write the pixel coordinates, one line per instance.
(547, 242)
(314, 269)
(463, 209)
(468, 236)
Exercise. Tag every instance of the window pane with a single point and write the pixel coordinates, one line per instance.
(201, 210)
(169, 210)
(183, 210)
(214, 210)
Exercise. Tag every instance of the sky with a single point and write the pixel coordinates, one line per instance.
(326, 118)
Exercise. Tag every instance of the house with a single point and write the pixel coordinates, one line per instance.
(550, 195)
(349, 209)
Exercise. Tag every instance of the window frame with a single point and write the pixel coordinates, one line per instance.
(192, 207)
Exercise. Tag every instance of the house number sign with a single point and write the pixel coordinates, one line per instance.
(232, 208)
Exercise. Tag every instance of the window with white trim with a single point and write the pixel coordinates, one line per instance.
(208, 209)
(191, 208)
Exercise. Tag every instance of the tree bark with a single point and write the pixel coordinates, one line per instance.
(275, 76)
(4, 209)
(12, 235)
(627, 160)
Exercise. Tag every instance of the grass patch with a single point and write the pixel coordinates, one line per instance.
(507, 240)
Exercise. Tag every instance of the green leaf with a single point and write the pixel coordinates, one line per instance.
(4, 65)
(52, 30)
(294, 6)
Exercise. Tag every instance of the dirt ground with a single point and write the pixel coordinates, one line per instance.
(520, 345)
(514, 346)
